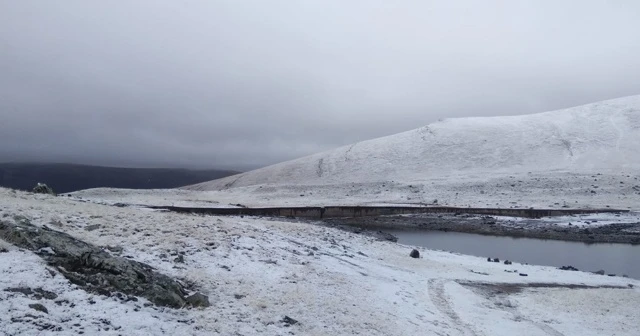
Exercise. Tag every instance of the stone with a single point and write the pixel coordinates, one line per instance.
(92, 227)
(507, 262)
(288, 321)
(114, 249)
(36, 293)
(198, 300)
(489, 260)
(600, 272)
(39, 308)
(93, 269)
(414, 254)
(496, 260)
(568, 268)
(42, 188)
(524, 274)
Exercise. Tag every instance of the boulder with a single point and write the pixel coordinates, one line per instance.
(414, 254)
(288, 321)
(568, 268)
(198, 300)
(42, 188)
(93, 269)
(39, 307)
(507, 262)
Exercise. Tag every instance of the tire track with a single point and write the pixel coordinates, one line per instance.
(497, 294)
(550, 331)
(439, 299)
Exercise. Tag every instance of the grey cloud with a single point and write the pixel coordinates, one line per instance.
(249, 83)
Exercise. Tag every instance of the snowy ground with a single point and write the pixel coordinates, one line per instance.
(332, 282)
(580, 220)
(599, 138)
(620, 190)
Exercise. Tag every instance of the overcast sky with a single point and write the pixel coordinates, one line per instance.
(239, 84)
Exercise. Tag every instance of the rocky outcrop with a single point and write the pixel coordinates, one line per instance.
(94, 269)
(568, 268)
(42, 188)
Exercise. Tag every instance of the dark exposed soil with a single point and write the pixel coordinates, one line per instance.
(512, 288)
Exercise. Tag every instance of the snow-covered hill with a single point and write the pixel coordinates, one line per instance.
(599, 137)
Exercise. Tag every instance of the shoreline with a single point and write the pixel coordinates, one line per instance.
(617, 233)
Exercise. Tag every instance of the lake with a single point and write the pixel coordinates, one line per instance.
(612, 258)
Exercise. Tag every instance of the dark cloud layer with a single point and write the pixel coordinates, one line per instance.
(248, 83)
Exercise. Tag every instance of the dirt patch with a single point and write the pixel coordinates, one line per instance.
(514, 288)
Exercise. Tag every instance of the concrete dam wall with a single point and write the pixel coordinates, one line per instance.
(364, 211)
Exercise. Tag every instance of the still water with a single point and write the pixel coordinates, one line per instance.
(612, 258)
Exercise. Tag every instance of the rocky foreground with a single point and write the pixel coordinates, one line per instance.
(95, 269)
(275, 277)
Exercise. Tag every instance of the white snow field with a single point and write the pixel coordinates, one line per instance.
(582, 157)
(257, 271)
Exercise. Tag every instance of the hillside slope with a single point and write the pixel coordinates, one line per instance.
(599, 137)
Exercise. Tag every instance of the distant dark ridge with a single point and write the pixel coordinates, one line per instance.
(65, 178)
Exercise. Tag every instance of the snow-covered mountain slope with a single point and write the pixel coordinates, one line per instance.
(332, 282)
(599, 137)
